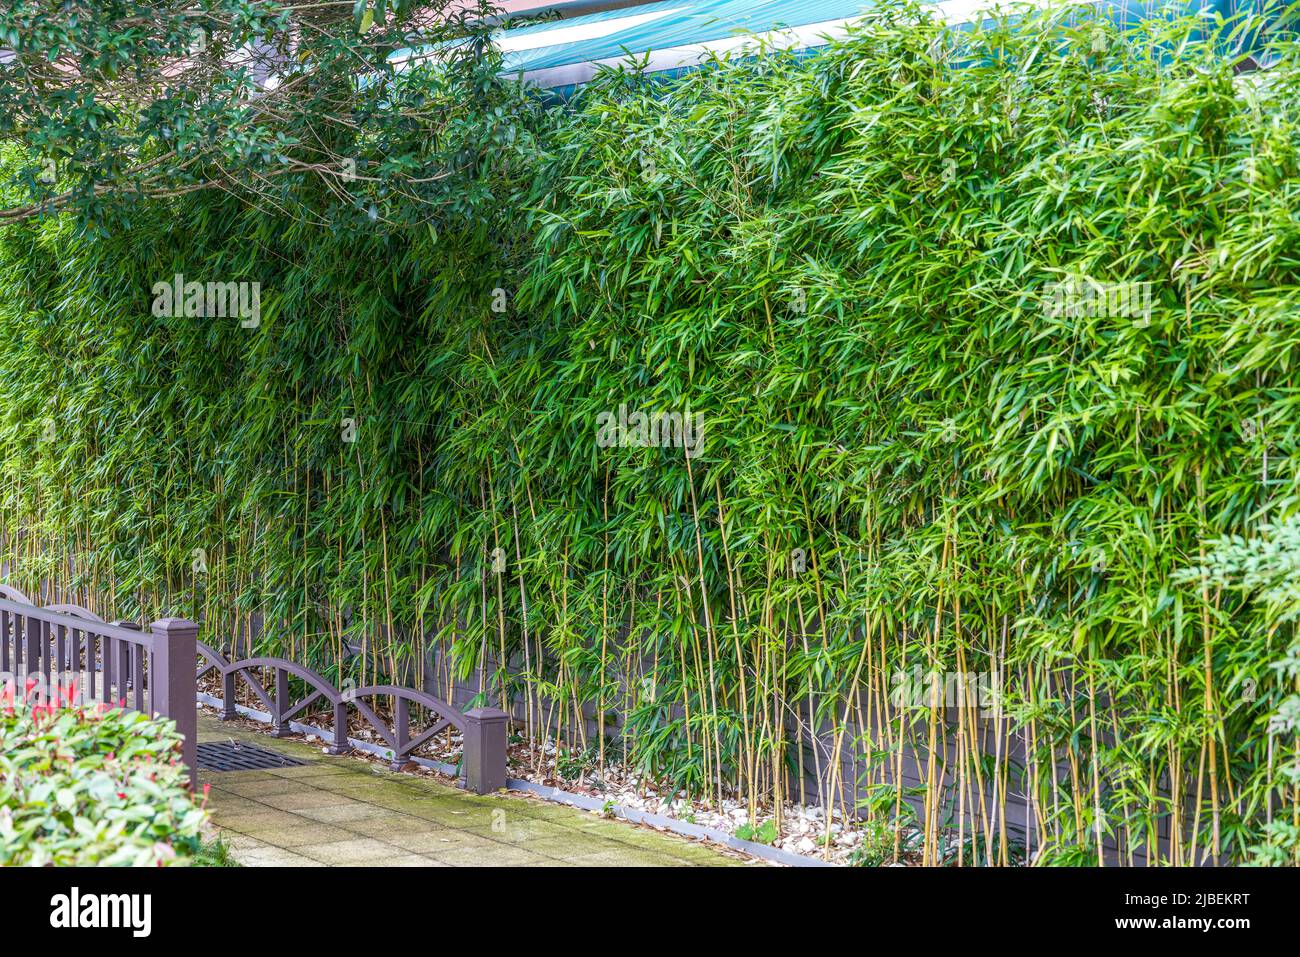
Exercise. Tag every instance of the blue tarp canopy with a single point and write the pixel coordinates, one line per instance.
(674, 35)
(552, 54)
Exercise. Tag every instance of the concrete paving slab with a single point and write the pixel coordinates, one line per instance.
(343, 811)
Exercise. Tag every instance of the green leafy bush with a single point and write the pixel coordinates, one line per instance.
(94, 788)
(765, 833)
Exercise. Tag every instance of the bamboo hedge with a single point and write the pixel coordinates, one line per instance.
(910, 462)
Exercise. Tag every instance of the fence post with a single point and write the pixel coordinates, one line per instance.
(173, 682)
(279, 726)
(228, 711)
(484, 759)
(340, 745)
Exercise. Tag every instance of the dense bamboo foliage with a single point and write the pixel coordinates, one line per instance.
(910, 462)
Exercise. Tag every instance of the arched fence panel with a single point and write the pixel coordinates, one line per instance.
(215, 659)
(483, 730)
(399, 736)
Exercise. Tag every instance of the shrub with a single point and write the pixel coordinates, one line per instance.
(94, 788)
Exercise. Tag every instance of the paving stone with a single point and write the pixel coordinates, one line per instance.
(522, 830)
(358, 785)
(307, 832)
(545, 811)
(353, 851)
(240, 842)
(427, 787)
(502, 856)
(447, 839)
(345, 814)
(447, 813)
(312, 771)
(341, 811)
(274, 857)
(704, 854)
(394, 826)
(620, 858)
(563, 848)
(305, 798)
(261, 787)
(227, 779)
(413, 860)
(247, 823)
(645, 837)
(228, 803)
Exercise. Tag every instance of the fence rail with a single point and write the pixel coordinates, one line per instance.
(157, 672)
(117, 663)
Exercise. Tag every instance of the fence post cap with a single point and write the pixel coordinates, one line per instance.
(174, 626)
(487, 714)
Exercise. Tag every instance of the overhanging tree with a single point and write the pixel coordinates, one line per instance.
(296, 106)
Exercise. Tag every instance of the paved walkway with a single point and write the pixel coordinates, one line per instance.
(348, 811)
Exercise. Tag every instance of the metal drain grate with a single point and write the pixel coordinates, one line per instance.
(235, 756)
